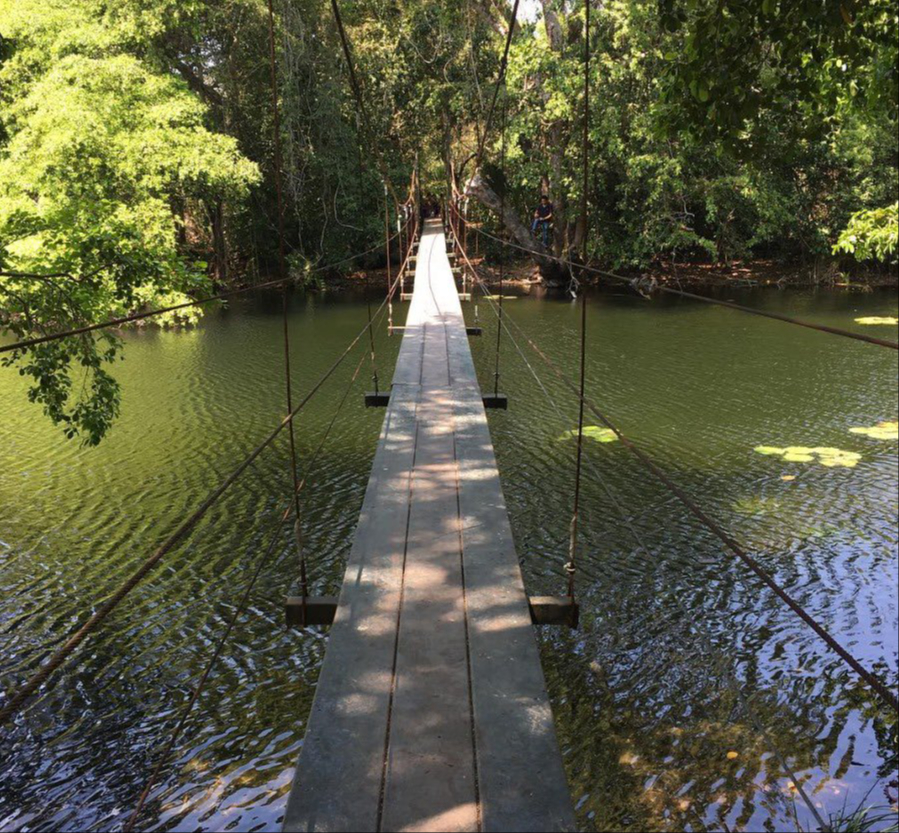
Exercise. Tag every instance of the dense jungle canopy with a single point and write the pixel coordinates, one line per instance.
(136, 143)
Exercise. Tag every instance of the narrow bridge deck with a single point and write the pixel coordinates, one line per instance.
(431, 711)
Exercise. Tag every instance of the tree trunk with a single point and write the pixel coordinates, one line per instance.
(219, 244)
(553, 273)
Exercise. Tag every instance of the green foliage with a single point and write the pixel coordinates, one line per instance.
(872, 234)
(101, 149)
(728, 67)
(718, 130)
(879, 818)
(132, 134)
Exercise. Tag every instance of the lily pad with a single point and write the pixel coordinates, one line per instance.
(594, 432)
(881, 431)
(878, 321)
(825, 455)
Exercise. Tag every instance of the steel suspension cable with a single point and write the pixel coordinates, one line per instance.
(387, 246)
(500, 79)
(371, 338)
(502, 259)
(237, 613)
(19, 698)
(575, 515)
(628, 523)
(872, 680)
(360, 102)
(571, 566)
(282, 265)
(138, 316)
(371, 333)
(880, 342)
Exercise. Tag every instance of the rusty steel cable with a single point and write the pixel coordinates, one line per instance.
(138, 316)
(371, 333)
(711, 649)
(360, 102)
(500, 79)
(871, 679)
(387, 247)
(282, 265)
(575, 515)
(237, 613)
(19, 698)
(641, 545)
(502, 259)
(880, 342)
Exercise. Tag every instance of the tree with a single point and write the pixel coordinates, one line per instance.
(103, 154)
(872, 234)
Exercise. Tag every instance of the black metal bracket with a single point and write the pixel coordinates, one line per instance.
(315, 610)
(496, 400)
(377, 400)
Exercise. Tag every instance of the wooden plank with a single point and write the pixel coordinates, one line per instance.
(343, 748)
(554, 610)
(430, 783)
(521, 780)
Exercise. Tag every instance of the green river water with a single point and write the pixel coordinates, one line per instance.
(681, 703)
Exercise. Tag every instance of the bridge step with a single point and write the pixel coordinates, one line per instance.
(320, 610)
(496, 400)
(379, 399)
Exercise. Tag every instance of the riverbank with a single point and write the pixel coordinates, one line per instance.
(739, 274)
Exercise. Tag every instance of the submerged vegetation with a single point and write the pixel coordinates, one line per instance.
(136, 152)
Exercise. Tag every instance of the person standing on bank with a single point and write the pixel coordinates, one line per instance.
(543, 219)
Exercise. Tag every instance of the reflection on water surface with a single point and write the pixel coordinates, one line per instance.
(688, 695)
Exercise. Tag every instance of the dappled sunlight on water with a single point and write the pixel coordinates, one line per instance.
(684, 702)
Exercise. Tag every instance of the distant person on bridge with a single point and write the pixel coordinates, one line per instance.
(543, 220)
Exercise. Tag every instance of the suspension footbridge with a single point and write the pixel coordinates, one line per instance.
(431, 711)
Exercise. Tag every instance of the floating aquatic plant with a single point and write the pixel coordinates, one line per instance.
(829, 457)
(594, 432)
(881, 431)
(878, 321)
(756, 505)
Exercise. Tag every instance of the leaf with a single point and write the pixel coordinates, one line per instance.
(594, 432)
(881, 431)
(826, 456)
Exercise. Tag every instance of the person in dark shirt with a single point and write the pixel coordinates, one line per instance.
(543, 219)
